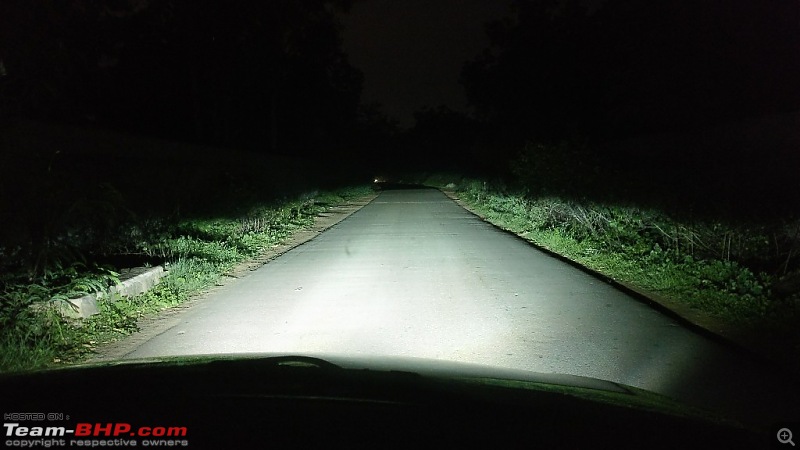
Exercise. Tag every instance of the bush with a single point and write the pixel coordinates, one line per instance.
(565, 168)
(705, 264)
(198, 251)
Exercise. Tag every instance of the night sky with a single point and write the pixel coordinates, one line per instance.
(292, 78)
(412, 52)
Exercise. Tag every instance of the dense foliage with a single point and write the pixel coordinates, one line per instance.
(197, 251)
(262, 75)
(743, 280)
(619, 67)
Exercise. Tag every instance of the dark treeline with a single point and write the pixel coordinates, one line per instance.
(688, 80)
(268, 76)
(693, 76)
(628, 66)
(115, 115)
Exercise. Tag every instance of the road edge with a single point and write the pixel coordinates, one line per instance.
(152, 326)
(692, 319)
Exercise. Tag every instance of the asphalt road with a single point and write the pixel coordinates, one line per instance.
(414, 274)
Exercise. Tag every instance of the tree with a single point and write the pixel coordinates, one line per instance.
(251, 74)
(558, 68)
(442, 139)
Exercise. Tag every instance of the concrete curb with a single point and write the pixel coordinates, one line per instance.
(134, 282)
(150, 327)
(141, 279)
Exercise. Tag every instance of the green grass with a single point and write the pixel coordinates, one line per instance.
(35, 341)
(644, 248)
(198, 251)
(710, 267)
(726, 271)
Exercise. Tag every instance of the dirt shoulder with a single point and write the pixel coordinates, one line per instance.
(154, 325)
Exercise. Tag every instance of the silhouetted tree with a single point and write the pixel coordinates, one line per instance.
(558, 67)
(442, 139)
(561, 71)
(375, 138)
(252, 74)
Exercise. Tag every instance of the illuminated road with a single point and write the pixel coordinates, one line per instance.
(414, 274)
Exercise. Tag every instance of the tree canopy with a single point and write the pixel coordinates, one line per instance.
(250, 74)
(620, 67)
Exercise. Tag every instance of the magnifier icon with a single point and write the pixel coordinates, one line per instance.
(785, 436)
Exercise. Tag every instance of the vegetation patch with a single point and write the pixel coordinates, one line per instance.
(197, 251)
(737, 274)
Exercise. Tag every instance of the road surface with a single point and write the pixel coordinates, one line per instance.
(414, 274)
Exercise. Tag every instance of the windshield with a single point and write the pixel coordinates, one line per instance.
(595, 188)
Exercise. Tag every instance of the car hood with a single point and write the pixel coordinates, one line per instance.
(199, 373)
(390, 392)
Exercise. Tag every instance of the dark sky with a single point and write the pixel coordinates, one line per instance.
(412, 51)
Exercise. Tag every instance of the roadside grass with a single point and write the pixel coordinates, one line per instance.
(710, 267)
(620, 242)
(197, 252)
